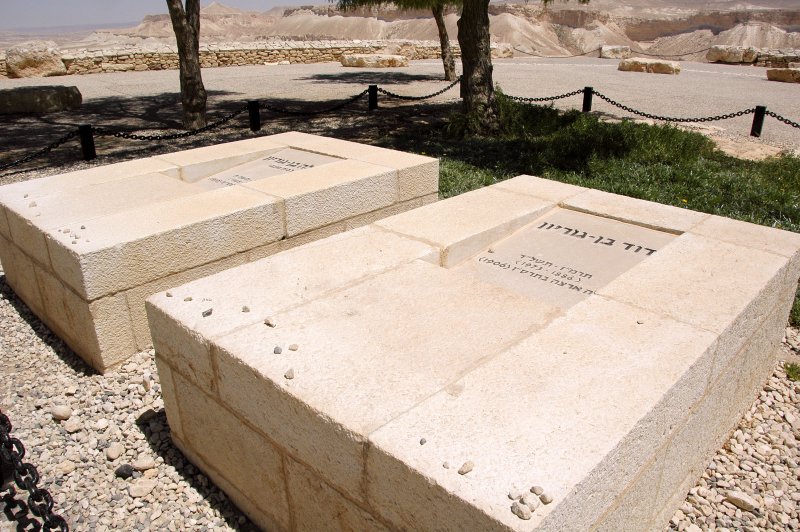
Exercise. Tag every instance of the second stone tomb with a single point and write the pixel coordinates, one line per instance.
(84, 249)
(448, 360)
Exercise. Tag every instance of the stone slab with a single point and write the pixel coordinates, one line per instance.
(418, 390)
(785, 75)
(650, 66)
(566, 257)
(373, 60)
(131, 229)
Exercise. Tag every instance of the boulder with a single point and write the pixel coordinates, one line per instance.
(615, 52)
(374, 60)
(39, 99)
(652, 66)
(787, 75)
(502, 50)
(731, 54)
(34, 59)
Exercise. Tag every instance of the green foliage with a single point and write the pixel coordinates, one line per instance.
(792, 370)
(654, 162)
(794, 317)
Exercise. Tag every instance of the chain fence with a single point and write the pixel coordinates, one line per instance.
(545, 98)
(47, 149)
(306, 112)
(103, 131)
(783, 119)
(372, 91)
(418, 98)
(672, 118)
(26, 477)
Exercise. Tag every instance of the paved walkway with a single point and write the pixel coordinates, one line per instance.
(700, 90)
(151, 101)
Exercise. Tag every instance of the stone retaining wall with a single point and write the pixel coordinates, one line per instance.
(777, 58)
(238, 54)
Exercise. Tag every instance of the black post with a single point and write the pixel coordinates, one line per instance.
(255, 115)
(758, 121)
(587, 99)
(373, 97)
(87, 142)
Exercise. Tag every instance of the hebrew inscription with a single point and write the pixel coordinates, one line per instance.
(277, 163)
(565, 256)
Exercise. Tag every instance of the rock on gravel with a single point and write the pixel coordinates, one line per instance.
(72, 425)
(741, 500)
(142, 487)
(125, 471)
(61, 412)
(143, 463)
(114, 451)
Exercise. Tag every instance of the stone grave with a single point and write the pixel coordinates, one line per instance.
(530, 355)
(84, 249)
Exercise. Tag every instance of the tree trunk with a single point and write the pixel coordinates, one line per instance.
(186, 24)
(477, 89)
(448, 60)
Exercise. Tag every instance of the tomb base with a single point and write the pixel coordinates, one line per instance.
(584, 351)
(84, 249)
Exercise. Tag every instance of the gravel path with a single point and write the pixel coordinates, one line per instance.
(753, 482)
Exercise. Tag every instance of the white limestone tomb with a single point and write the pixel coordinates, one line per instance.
(527, 356)
(84, 249)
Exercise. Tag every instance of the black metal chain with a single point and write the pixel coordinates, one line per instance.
(102, 131)
(46, 149)
(783, 119)
(672, 118)
(416, 98)
(545, 98)
(334, 107)
(40, 502)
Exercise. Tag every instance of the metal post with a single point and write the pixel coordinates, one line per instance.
(758, 121)
(87, 142)
(255, 115)
(587, 99)
(373, 97)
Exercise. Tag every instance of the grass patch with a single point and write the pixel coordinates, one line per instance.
(658, 163)
(792, 371)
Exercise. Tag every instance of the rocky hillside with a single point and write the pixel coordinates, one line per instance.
(659, 26)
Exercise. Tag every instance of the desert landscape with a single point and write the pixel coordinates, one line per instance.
(561, 28)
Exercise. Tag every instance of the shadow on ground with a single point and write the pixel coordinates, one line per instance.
(160, 114)
(156, 431)
(378, 77)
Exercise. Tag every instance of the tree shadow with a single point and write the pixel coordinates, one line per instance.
(374, 77)
(48, 337)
